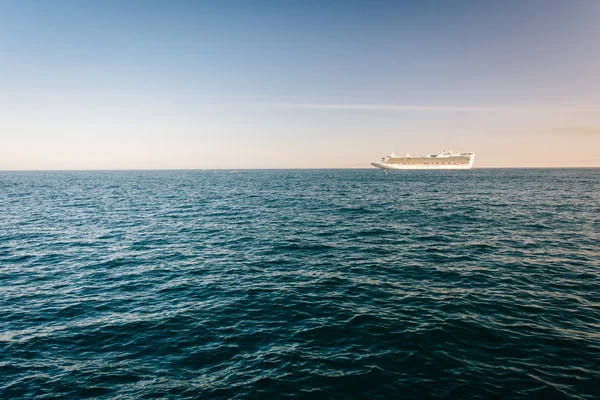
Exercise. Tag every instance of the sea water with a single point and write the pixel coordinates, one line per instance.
(300, 284)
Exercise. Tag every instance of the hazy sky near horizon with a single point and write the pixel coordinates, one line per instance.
(297, 84)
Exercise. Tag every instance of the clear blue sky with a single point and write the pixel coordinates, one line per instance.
(242, 84)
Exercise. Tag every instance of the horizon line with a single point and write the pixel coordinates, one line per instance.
(272, 169)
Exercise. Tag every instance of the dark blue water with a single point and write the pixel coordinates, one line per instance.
(310, 284)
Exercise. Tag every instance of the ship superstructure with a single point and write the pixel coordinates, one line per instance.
(445, 160)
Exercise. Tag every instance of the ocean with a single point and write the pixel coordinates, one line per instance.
(300, 284)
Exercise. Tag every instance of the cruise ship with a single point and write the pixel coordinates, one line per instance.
(445, 160)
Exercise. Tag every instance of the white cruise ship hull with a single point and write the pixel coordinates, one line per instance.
(445, 160)
(420, 166)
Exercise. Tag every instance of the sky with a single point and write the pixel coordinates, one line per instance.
(145, 84)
